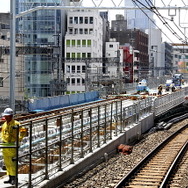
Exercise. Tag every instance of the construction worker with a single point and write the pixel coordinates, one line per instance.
(160, 88)
(8, 136)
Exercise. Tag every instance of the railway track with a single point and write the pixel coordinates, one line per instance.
(156, 169)
(180, 174)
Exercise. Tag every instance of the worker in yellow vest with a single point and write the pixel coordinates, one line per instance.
(9, 133)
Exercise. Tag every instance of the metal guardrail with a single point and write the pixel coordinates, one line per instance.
(56, 142)
(167, 102)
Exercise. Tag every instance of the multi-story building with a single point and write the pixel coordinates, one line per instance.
(83, 49)
(131, 64)
(156, 66)
(180, 59)
(167, 58)
(106, 36)
(137, 39)
(5, 61)
(40, 28)
(5, 71)
(138, 18)
(176, 59)
(114, 65)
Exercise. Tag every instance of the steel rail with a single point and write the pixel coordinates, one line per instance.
(172, 167)
(139, 166)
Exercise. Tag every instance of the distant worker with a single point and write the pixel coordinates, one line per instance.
(182, 81)
(160, 88)
(8, 137)
(173, 88)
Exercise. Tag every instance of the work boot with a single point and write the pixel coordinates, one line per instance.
(13, 180)
(9, 181)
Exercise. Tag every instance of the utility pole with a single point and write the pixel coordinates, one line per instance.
(118, 71)
(86, 75)
(12, 53)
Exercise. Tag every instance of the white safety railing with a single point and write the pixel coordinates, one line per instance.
(166, 102)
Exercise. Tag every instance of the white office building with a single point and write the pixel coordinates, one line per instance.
(112, 48)
(83, 47)
(157, 66)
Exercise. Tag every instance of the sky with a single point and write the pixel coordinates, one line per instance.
(5, 7)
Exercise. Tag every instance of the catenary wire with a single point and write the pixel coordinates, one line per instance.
(152, 8)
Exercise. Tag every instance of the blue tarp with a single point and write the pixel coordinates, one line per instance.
(50, 103)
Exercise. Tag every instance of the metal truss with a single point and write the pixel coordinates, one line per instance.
(99, 5)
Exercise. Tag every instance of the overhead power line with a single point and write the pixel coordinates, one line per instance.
(161, 18)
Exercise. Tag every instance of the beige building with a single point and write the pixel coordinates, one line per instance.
(5, 71)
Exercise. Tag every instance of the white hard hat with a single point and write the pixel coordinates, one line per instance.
(7, 112)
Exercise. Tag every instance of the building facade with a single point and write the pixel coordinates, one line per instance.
(40, 28)
(5, 62)
(137, 18)
(83, 49)
(5, 71)
(180, 59)
(156, 66)
(167, 58)
(139, 42)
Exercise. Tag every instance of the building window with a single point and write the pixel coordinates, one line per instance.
(91, 20)
(78, 55)
(75, 20)
(84, 43)
(70, 31)
(83, 81)
(73, 42)
(68, 68)
(90, 31)
(73, 55)
(85, 31)
(86, 20)
(81, 31)
(89, 43)
(68, 81)
(78, 69)
(73, 81)
(78, 81)
(67, 42)
(83, 55)
(81, 20)
(68, 55)
(88, 55)
(78, 43)
(75, 31)
(73, 69)
(1, 81)
(83, 69)
(71, 20)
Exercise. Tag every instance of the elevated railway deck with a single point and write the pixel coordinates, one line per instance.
(62, 142)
